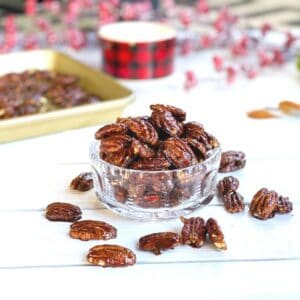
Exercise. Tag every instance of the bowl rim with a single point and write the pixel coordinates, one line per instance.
(96, 158)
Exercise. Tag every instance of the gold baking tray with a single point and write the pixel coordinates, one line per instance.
(115, 96)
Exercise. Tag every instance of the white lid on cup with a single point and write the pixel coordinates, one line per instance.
(136, 32)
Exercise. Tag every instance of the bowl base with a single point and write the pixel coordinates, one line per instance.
(157, 214)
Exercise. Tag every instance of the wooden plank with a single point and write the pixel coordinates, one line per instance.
(247, 280)
(32, 241)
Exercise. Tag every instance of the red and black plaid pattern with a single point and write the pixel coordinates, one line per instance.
(138, 61)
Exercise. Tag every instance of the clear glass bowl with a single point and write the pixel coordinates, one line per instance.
(154, 195)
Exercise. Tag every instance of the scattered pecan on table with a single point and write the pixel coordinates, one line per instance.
(266, 203)
(59, 211)
(232, 161)
(156, 242)
(111, 256)
(193, 232)
(86, 230)
(215, 234)
(227, 189)
(83, 182)
(263, 204)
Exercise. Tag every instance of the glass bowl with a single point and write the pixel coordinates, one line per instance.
(154, 195)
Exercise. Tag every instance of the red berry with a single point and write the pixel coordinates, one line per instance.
(185, 18)
(230, 75)
(265, 28)
(206, 41)
(265, 58)
(278, 56)
(290, 40)
(218, 63)
(202, 7)
(190, 80)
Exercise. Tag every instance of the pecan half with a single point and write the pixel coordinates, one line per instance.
(179, 153)
(110, 129)
(215, 234)
(232, 161)
(178, 113)
(193, 232)
(83, 182)
(233, 202)
(227, 184)
(141, 150)
(115, 143)
(151, 164)
(142, 130)
(92, 230)
(198, 147)
(167, 123)
(284, 205)
(261, 114)
(156, 242)
(289, 107)
(193, 130)
(111, 256)
(66, 212)
(121, 159)
(263, 204)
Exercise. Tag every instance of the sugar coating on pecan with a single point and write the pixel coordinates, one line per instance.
(227, 184)
(65, 212)
(284, 205)
(111, 256)
(233, 201)
(215, 234)
(263, 204)
(156, 242)
(83, 182)
(110, 129)
(193, 232)
(178, 113)
(86, 230)
(232, 161)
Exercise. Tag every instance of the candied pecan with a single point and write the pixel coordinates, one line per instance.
(83, 182)
(167, 123)
(227, 184)
(151, 164)
(141, 150)
(193, 130)
(178, 113)
(215, 234)
(59, 211)
(120, 193)
(263, 204)
(198, 147)
(193, 232)
(232, 161)
(179, 153)
(233, 201)
(110, 129)
(284, 205)
(111, 256)
(115, 143)
(92, 230)
(121, 159)
(156, 242)
(142, 130)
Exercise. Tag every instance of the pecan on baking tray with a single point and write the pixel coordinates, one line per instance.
(227, 184)
(215, 234)
(86, 230)
(178, 113)
(110, 129)
(59, 211)
(263, 204)
(233, 202)
(232, 161)
(156, 242)
(83, 182)
(284, 205)
(111, 256)
(193, 232)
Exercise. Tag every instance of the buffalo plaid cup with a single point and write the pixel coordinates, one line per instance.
(134, 55)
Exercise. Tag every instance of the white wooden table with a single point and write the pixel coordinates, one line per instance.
(39, 261)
